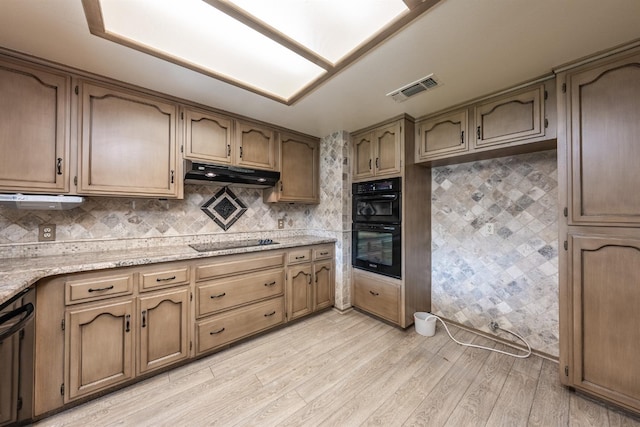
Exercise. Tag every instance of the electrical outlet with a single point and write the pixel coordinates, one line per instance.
(280, 223)
(490, 228)
(46, 232)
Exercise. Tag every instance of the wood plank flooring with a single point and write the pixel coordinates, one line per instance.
(350, 370)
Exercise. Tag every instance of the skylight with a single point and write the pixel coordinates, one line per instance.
(281, 49)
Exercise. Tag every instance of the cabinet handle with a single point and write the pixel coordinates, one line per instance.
(478, 132)
(166, 279)
(270, 284)
(59, 165)
(228, 150)
(241, 151)
(216, 332)
(172, 176)
(281, 188)
(369, 164)
(375, 294)
(127, 323)
(218, 296)
(324, 253)
(270, 314)
(377, 162)
(100, 289)
(461, 137)
(301, 257)
(144, 318)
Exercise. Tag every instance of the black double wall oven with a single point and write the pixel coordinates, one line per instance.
(377, 228)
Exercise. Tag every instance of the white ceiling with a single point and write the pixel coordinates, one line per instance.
(474, 47)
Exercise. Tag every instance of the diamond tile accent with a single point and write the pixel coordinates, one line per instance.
(225, 208)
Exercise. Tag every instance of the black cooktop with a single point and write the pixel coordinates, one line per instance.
(218, 246)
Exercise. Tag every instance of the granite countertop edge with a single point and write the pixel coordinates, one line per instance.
(17, 274)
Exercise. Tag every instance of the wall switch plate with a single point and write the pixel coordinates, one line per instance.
(46, 232)
(280, 223)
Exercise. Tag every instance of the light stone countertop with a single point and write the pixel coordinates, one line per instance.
(17, 274)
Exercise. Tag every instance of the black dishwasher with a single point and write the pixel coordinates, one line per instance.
(16, 367)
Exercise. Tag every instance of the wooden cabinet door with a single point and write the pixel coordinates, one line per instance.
(34, 130)
(442, 135)
(8, 379)
(256, 146)
(373, 293)
(603, 131)
(163, 326)
(510, 118)
(362, 156)
(324, 278)
(605, 285)
(128, 144)
(388, 150)
(99, 347)
(299, 171)
(208, 137)
(299, 292)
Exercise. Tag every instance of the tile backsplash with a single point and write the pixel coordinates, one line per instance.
(495, 245)
(108, 221)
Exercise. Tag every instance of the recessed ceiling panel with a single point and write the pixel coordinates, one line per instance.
(192, 31)
(330, 28)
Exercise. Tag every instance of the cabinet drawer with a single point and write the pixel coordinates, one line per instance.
(224, 294)
(225, 328)
(163, 278)
(238, 264)
(323, 252)
(299, 255)
(376, 296)
(95, 288)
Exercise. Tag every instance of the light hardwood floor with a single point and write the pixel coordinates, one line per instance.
(350, 370)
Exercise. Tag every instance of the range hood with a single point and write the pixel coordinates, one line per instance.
(40, 202)
(228, 176)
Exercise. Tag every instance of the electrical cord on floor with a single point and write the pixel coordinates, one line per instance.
(494, 326)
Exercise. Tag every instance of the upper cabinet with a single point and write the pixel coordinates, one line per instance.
(503, 124)
(208, 136)
(127, 144)
(299, 171)
(510, 118)
(255, 146)
(34, 129)
(442, 135)
(377, 152)
(603, 133)
(211, 137)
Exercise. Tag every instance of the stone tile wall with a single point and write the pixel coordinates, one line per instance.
(495, 245)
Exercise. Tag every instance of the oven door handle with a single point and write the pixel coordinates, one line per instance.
(28, 314)
(381, 196)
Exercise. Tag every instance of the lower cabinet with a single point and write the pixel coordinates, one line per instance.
(8, 380)
(377, 295)
(106, 328)
(310, 280)
(604, 296)
(230, 326)
(324, 279)
(299, 290)
(100, 343)
(164, 329)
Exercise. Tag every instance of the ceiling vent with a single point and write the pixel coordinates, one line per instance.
(405, 92)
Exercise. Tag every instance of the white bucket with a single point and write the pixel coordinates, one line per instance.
(425, 323)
